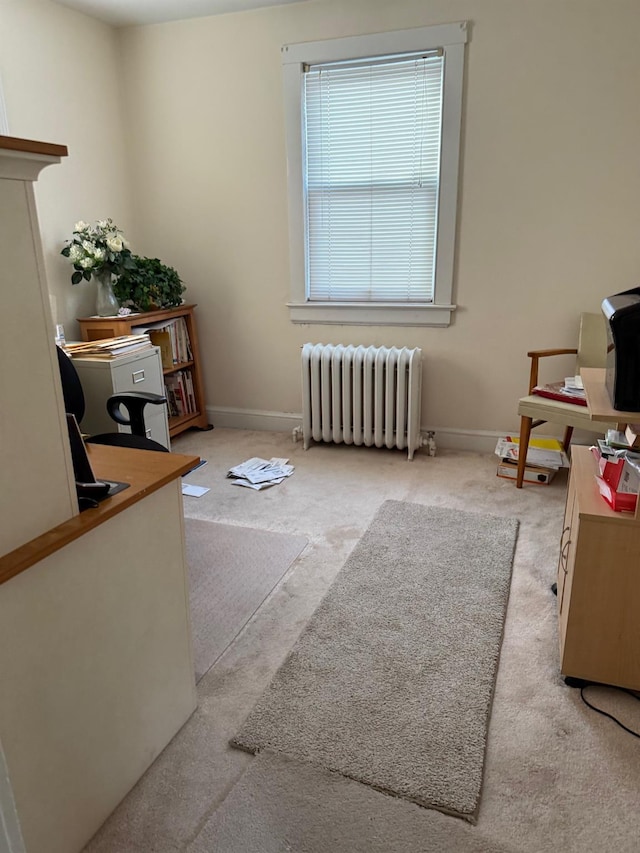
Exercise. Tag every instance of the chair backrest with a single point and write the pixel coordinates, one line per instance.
(592, 343)
(71, 388)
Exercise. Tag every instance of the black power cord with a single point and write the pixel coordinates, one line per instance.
(606, 713)
(578, 682)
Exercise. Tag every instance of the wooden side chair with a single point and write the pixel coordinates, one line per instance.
(534, 410)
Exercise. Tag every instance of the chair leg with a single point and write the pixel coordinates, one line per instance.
(523, 447)
(566, 441)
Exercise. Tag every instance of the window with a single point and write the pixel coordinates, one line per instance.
(373, 130)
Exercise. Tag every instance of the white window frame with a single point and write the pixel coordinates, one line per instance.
(4, 121)
(451, 38)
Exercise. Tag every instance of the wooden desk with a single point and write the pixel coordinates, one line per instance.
(598, 580)
(96, 663)
(598, 584)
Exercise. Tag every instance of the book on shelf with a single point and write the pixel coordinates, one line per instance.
(179, 393)
(172, 336)
(161, 339)
(570, 390)
(108, 347)
(190, 392)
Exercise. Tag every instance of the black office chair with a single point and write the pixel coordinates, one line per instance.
(133, 402)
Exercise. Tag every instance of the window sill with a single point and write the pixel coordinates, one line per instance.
(360, 314)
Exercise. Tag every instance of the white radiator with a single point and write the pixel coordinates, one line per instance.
(362, 395)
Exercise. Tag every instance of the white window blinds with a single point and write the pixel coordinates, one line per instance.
(372, 139)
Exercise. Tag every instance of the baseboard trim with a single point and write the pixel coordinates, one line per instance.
(478, 441)
(252, 419)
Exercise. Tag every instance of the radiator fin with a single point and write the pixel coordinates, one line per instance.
(362, 395)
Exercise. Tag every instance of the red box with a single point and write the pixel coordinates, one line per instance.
(615, 473)
(619, 501)
(611, 470)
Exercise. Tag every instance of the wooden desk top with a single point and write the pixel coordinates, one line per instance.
(598, 401)
(146, 471)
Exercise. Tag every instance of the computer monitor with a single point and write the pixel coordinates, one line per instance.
(622, 315)
(81, 466)
(89, 488)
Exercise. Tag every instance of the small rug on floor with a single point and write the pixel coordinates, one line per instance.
(392, 680)
(231, 572)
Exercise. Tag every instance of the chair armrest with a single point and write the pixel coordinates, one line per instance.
(537, 354)
(134, 402)
(541, 353)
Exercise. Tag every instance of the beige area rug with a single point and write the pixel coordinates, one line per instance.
(231, 572)
(391, 682)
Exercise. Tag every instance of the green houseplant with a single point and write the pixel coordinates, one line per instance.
(149, 284)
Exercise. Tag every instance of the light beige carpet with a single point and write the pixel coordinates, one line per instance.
(231, 572)
(391, 682)
(307, 810)
(558, 777)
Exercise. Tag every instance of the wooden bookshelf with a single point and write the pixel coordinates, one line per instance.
(96, 328)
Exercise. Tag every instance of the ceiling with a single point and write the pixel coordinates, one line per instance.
(124, 13)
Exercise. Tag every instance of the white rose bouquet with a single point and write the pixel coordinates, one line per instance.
(98, 249)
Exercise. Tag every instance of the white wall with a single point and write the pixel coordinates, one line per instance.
(548, 205)
(61, 81)
(549, 188)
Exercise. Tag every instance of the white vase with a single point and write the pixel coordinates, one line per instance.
(106, 303)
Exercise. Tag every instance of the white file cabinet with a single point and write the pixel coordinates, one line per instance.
(137, 371)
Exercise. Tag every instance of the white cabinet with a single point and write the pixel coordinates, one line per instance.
(95, 602)
(35, 459)
(137, 371)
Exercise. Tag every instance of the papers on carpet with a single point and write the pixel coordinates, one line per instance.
(194, 491)
(542, 452)
(258, 473)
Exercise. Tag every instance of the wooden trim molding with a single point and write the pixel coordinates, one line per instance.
(31, 146)
(24, 159)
